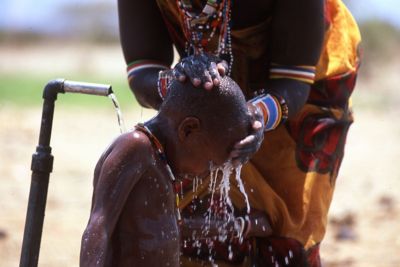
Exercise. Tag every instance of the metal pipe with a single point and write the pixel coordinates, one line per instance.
(42, 165)
(87, 88)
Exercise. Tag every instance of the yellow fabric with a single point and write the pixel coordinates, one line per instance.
(340, 52)
(297, 202)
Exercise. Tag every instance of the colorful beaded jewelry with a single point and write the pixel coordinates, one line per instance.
(199, 29)
(274, 110)
(301, 73)
(160, 152)
(164, 79)
(134, 67)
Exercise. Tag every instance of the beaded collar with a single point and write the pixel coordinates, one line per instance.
(199, 29)
(160, 152)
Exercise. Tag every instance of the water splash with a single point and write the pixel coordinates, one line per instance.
(121, 122)
(220, 211)
(238, 170)
(197, 181)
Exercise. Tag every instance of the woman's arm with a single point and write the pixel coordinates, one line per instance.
(296, 43)
(145, 42)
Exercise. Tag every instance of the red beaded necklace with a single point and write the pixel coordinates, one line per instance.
(160, 152)
(199, 29)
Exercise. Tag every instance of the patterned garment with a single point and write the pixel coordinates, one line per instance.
(292, 176)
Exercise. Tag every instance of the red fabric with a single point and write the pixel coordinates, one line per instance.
(333, 92)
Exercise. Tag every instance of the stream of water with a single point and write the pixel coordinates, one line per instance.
(121, 122)
(221, 209)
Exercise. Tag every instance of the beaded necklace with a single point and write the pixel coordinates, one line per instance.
(160, 152)
(199, 29)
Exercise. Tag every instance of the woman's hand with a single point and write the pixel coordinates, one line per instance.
(245, 148)
(201, 69)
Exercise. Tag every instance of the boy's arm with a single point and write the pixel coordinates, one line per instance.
(116, 174)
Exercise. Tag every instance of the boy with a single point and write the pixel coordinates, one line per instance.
(134, 216)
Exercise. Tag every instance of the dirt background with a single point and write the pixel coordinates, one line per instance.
(364, 222)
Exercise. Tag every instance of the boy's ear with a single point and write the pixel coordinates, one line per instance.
(188, 126)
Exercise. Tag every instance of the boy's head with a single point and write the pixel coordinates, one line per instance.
(204, 125)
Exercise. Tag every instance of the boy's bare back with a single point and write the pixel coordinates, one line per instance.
(133, 214)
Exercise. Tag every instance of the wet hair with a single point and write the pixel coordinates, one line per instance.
(222, 110)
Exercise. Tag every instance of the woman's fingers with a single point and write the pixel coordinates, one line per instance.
(222, 68)
(257, 125)
(201, 71)
(215, 76)
(192, 71)
(179, 73)
(207, 81)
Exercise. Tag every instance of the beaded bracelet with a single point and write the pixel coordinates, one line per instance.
(164, 79)
(274, 109)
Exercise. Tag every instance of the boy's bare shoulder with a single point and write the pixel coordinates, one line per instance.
(132, 143)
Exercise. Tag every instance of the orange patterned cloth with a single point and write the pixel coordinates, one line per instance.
(292, 176)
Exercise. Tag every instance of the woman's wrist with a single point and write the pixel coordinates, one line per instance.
(143, 78)
(273, 108)
(164, 79)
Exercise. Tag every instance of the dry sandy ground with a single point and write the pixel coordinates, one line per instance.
(364, 222)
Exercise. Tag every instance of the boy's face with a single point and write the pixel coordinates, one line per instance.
(200, 150)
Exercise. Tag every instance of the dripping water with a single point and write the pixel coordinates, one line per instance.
(224, 213)
(121, 122)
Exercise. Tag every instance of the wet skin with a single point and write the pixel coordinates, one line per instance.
(133, 220)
